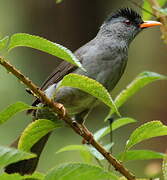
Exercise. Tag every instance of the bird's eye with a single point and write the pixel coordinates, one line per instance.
(127, 22)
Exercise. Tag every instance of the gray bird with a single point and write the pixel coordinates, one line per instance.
(104, 58)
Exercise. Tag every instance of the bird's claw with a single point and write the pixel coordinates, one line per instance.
(62, 109)
(78, 127)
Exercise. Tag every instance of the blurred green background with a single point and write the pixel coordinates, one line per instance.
(72, 24)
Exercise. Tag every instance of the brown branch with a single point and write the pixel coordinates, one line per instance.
(60, 110)
(161, 17)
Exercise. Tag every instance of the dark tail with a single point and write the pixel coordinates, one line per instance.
(27, 166)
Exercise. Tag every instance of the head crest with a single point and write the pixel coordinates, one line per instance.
(126, 13)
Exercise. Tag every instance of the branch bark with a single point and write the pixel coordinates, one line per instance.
(60, 110)
(162, 18)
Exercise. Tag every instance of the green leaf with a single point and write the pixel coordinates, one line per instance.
(115, 125)
(138, 83)
(90, 86)
(140, 155)
(11, 155)
(78, 171)
(72, 148)
(6, 176)
(36, 42)
(96, 153)
(164, 168)
(162, 2)
(145, 14)
(12, 109)
(35, 176)
(87, 152)
(146, 131)
(83, 149)
(35, 131)
(3, 43)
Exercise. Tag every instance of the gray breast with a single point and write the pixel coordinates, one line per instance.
(104, 63)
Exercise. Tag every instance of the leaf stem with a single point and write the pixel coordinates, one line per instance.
(60, 110)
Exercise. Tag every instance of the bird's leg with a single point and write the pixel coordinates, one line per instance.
(80, 118)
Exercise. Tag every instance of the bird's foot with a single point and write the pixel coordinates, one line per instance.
(62, 109)
(78, 127)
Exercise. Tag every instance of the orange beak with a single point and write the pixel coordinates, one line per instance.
(147, 24)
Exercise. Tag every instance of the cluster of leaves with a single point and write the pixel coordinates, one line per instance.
(87, 169)
(39, 128)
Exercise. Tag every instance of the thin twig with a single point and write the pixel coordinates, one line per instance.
(60, 110)
(161, 17)
(111, 120)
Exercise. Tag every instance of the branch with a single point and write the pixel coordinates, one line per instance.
(60, 110)
(161, 17)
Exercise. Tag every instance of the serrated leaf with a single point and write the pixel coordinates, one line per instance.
(35, 131)
(145, 14)
(138, 83)
(164, 168)
(115, 125)
(90, 86)
(78, 171)
(146, 131)
(4, 42)
(11, 155)
(12, 109)
(140, 155)
(96, 153)
(83, 149)
(42, 44)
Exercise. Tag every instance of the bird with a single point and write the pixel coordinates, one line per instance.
(104, 58)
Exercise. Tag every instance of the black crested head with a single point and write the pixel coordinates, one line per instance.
(128, 13)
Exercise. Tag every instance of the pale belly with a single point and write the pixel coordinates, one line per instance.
(74, 100)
